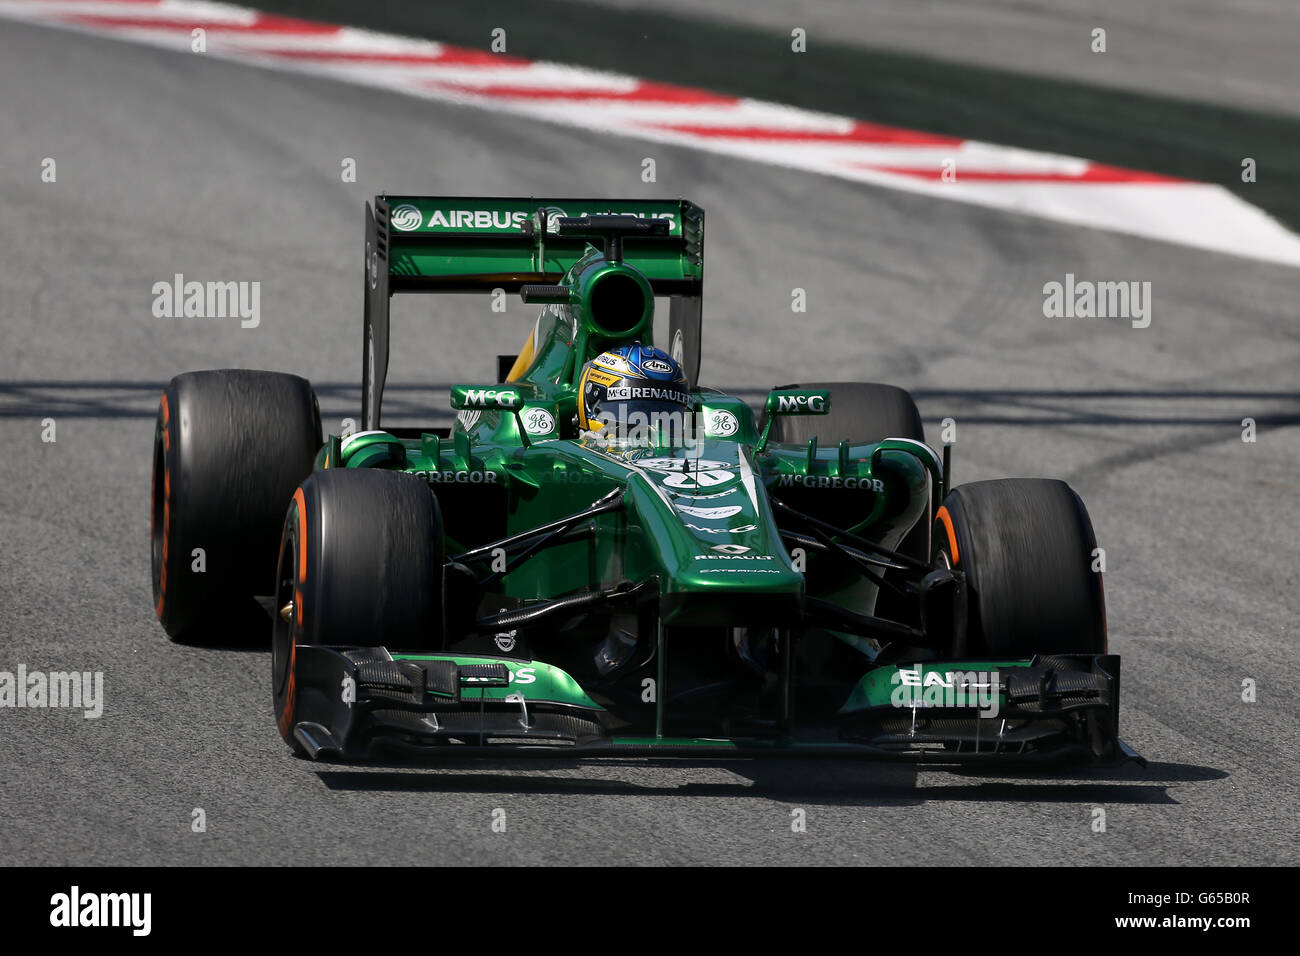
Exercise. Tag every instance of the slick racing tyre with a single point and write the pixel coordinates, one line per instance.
(1026, 547)
(230, 446)
(361, 564)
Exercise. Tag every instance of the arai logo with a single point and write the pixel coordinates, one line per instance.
(406, 217)
(656, 365)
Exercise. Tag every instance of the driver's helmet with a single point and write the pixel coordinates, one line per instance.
(633, 394)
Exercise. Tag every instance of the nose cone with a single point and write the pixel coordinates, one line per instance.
(739, 568)
(723, 556)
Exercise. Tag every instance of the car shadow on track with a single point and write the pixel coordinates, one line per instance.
(785, 781)
(814, 782)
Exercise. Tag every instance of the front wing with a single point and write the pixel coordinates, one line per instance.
(1062, 708)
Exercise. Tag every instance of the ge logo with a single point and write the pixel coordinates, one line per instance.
(538, 421)
(723, 424)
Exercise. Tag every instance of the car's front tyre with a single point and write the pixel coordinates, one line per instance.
(361, 564)
(1027, 548)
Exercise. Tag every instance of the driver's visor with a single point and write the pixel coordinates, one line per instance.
(652, 422)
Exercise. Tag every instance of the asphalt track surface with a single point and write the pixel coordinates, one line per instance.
(1240, 53)
(1187, 87)
(170, 163)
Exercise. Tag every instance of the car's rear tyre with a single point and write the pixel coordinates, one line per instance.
(1026, 546)
(361, 564)
(230, 446)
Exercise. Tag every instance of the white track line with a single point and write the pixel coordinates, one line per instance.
(1062, 188)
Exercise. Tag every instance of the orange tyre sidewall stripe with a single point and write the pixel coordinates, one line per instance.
(167, 508)
(290, 690)
(286, 715)
(946, 520)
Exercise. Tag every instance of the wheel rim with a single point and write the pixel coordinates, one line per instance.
(283, 633)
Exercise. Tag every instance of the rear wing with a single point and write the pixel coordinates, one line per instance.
(457, 244)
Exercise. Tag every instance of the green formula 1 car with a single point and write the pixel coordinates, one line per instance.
(803, 580)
